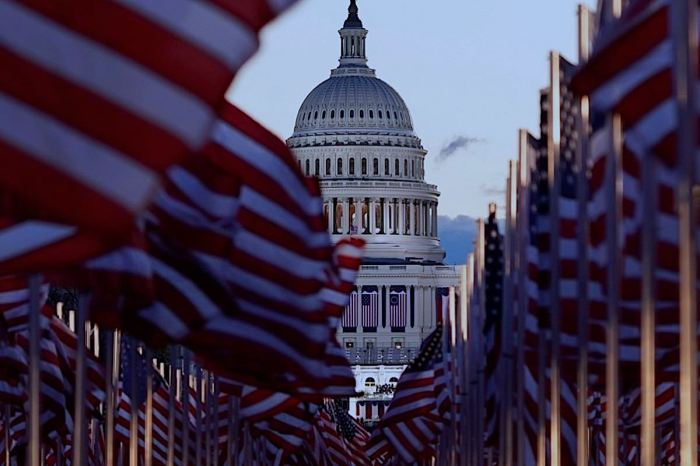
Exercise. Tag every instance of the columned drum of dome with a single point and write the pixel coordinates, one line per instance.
(355, 133)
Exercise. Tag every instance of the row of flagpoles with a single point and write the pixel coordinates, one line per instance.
(597, 341)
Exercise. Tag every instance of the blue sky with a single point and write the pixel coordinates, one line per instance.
(468, 69)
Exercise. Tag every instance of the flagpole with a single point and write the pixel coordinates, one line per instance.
(79, 427)
(186, 406)
(171, 405)
(207, 419)
(6, 434)
(34, 446)
(582, 446)
(648, 311)
(685, 38)
(134, 421)
(553, 177)
(148, 434)
(198, 415)
(111, 369)
(613, 218)
(506, 444)
(522, 295)
(480, 344)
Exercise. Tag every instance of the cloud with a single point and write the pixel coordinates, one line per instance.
(457, 236)
(457, 144)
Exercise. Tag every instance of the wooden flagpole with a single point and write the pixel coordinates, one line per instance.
(185, 406)
(148, 431)
(685, 38)
(134, 424)
(171, 404)
(583, 124)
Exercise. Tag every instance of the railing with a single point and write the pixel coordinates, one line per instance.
(378, 356)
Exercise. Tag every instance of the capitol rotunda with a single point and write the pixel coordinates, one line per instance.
(354, 132)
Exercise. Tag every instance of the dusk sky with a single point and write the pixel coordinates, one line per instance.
(470, 72)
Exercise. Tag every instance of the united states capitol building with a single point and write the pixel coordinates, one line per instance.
(355, 133)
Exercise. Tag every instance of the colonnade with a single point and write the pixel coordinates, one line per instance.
(381, 216)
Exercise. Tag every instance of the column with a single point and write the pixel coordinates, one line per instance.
(329, 207)
(412, 215)
(346, 217)
(385, 216)
(358, 215)
(402, 216)
(372, 216)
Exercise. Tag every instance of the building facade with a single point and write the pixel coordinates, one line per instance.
(354, 132)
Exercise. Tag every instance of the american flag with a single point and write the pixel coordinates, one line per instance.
(493, 318)
(370, 307)
(119, 80)
(412, 423)
(398, 306)
(350, 316)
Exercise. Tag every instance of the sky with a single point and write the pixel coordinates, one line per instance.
(470, 72)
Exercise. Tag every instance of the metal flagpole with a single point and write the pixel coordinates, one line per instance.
(208, 419)
(186, 406)
(685, 38)
(464, 377)
(134, 422)
(6, 434)
(480, 406)
(80, 426)
(523, 193)
(148, 428)
(583, 124)
(171, 405)
(450, 321)
(612, 389)
(34, 446)
(553, 177)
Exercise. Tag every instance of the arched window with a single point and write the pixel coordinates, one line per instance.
(405, 168)
(328, 167)
(395, 116)
(352, 166)
(386, 167)
(388, 115)
(375, 166)
(413, 168)
(308, 167)
(342, 114)
(364, 166)
(380, 114)
(317, 166)
(371, 114)
(316, 115)
(323, 115)
(332, 114)
(396, 167)
(393, 380)
(340, 167)
(370, 382)
(362, 113)
(352, 113)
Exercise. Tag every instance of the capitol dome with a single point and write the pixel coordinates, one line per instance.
(354, 132)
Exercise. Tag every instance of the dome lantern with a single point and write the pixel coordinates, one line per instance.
(352, 40)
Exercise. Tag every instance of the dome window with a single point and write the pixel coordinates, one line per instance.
(352, 166)
(332, 114)
(362, 113)
(342, 114)
(396, 167)
(352, 113)
(413, 168)
(328, 167)
(323, 115)
(386, 167)
(364, 166)
(388, 115)
(396, 117)
(317, 166)
(308, 167)
(380, 114)
(340, 167)
(375, 166)
(371, 114)
(405, 168)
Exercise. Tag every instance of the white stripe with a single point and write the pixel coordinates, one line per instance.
(90, 162)
(216, 31)
(608, 95)
(218, 205)
(28, 236)
(101, 70)
(267, 162)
